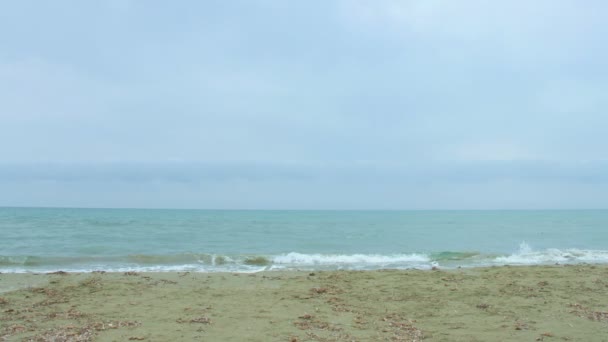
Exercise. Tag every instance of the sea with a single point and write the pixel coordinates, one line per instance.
(120, 240)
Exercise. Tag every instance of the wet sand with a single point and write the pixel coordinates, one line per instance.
(535, 303)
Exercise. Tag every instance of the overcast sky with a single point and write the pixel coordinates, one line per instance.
(304, 104)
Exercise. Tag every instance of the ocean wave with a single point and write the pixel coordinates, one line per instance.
(208, 262)
(213, 262)
(452, 256)
(342, 259)
(135, 268)
(23, 260)
(527, 256)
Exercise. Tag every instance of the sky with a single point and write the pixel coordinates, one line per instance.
(319, 104)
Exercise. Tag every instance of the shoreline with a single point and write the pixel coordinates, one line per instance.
(508, 303)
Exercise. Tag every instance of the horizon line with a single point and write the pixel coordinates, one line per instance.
(295, 209)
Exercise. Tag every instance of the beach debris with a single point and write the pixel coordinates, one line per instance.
(543, 335)
(483, 306)
(581, 311)
(272, 278)
(202, 319)
(101, 326)
(319, 290)
(16, 328)
(72, 333)
(59, 273)
(402, 328)
(67, 333)
(3, 301)
(334, 337)
(307, 325)
(326, 290)
(309, 322)
(85, 333)
(521, 326)
(44, 290)
(93, 281)
(359, 320)
(131, 273)
(53, 296)
(293, 339)
(338, 305)
(70, 314)
(136, 338)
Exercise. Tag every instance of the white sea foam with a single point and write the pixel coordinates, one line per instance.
(527, 256)
(157, 268)
(346, 259)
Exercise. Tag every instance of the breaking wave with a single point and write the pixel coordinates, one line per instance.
(344, 259)
(202, 262)
(527, 256)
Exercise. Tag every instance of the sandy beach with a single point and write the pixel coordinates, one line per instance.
(536, 303)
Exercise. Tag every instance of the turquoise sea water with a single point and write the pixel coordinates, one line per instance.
(40, 240)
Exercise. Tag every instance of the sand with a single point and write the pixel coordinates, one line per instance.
(535, 303)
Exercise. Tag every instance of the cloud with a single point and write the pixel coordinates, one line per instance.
(480, 185)
(535, 34)
(574, 97)
(362, 172)
(36, 89)
(384, 97)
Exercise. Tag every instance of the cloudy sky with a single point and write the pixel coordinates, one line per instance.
(322, 104)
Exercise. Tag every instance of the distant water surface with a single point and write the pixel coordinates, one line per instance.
(40, 240)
